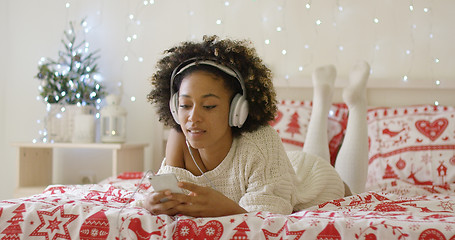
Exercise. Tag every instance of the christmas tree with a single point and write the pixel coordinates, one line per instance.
(14, 229)
(72, 78)
(294, 126)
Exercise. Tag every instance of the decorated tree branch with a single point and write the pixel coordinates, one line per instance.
(72, 79)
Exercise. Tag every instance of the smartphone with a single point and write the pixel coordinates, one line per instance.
(166, 181)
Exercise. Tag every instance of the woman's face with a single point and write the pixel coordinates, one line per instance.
(203, 110)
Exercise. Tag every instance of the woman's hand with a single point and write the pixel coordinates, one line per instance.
(202, 202)
(159, 203)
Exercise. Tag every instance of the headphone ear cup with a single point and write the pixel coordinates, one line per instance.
(173, 106)
(238, 112)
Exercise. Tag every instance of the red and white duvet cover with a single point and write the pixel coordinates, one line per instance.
(395, 210)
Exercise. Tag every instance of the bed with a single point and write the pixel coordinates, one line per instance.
(410, 191)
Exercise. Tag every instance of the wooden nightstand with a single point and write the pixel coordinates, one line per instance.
(35, 162)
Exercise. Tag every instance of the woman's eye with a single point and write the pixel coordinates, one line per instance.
(184, 106)
(210, 106)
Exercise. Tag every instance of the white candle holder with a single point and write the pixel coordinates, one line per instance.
(113, 121)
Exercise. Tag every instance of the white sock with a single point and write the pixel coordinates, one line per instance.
(316, 140)
(352, 159)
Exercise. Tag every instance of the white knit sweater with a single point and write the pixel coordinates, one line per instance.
(258, 174)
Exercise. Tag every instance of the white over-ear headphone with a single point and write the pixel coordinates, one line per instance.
(238, 111)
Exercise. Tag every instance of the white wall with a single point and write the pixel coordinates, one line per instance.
(6, 163)
(33, 29)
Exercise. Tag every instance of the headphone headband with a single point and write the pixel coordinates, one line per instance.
(208, 62)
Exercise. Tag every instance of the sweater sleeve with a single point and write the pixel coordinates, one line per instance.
(269, 174)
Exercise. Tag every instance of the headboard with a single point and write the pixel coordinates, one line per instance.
(381, 96)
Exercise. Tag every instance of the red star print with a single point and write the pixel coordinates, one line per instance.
(297, 234)
(55, 224)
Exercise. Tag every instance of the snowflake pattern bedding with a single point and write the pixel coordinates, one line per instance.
(396, 210)
(411, 192)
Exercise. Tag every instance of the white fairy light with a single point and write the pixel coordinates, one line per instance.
(376, 20)
(146, 2)
(341, 48)
(340, 8)
(411, 8)
(436, 60)
(308, 6)
(408, 52)
(283, 51)
(300, 68)
(405, 78)
(437, 82)
(140, 59)
(131, 16)
(129, 39)
(125, 58)
(436, 103)
(152, 2)
(226, 3)
(267, 41)
(218, 22)
(278, 29)
(135, 36)
(426, 10)
(318, 22)
(67, 5)
(133, 99)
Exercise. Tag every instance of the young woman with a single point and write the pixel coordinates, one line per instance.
(218, 97)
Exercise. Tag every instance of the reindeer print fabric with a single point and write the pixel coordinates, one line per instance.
(291, 123)
(411, 193)
(415, 144)
(396, 210)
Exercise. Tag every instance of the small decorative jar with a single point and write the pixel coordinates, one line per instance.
(113, 121)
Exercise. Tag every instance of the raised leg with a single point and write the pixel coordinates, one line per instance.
(316, 141)
(352, 159)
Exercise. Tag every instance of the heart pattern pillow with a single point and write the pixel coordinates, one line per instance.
(414, 143)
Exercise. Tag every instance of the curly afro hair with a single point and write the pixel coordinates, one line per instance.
(237, 54)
